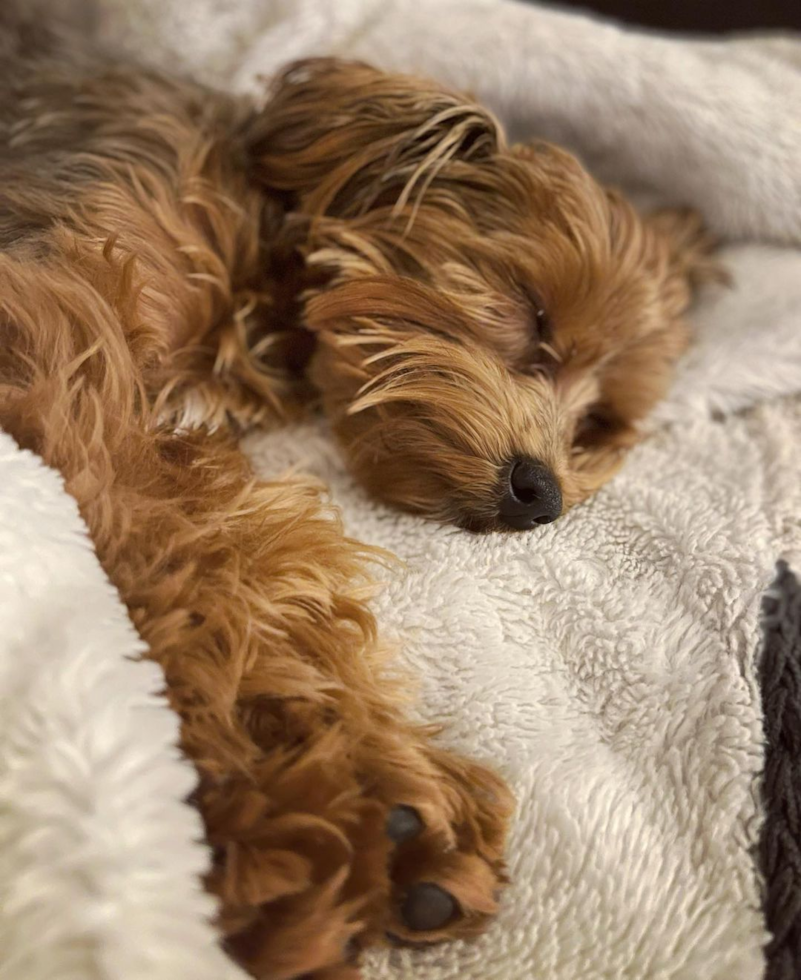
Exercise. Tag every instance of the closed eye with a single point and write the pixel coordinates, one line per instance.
(542, 327)
(543, 355)
(543, 323)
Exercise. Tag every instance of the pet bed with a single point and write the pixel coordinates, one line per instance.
(607, 664)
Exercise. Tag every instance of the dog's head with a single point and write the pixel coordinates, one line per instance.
(497, 323)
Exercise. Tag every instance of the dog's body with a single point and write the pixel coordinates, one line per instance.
(484, 326)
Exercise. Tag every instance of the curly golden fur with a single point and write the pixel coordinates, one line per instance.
(175, 264)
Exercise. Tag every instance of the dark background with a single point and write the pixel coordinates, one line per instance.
(698, 16)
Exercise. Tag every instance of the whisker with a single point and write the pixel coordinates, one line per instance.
(552, 351)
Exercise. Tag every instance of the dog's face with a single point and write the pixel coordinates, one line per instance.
(497, 323)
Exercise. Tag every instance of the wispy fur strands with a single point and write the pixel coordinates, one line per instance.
(173, 260)
(443, 244)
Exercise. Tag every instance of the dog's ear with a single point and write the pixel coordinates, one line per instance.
(341, 137)
(662, 257)
(671, 246)
(688, 245)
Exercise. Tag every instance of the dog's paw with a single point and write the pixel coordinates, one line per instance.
(385, 848)
(446, 869)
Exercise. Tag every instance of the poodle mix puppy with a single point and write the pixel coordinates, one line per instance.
(482, 323)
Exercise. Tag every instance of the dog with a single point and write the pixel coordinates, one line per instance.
(483, 324)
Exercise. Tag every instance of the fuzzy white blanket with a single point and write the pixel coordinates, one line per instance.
(604, 663)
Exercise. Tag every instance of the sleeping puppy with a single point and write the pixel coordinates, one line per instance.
(484, 325)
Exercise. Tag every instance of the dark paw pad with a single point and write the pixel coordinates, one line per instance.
(403, 824)
(427, 907)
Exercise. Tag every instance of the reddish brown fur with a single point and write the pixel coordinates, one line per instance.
(170, 253)
(445, 241)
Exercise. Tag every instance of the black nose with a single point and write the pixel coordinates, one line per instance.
(531, 495)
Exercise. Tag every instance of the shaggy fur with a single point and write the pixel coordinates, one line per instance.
(174, 260)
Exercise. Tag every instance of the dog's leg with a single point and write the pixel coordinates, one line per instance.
(333, 821)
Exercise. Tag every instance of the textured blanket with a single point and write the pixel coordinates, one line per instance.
(607, 664)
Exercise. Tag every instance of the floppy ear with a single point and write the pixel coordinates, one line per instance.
(341, 137)
(666, 254)
(671, 246)
(689, 247)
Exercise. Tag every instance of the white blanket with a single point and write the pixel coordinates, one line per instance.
(604, 663)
